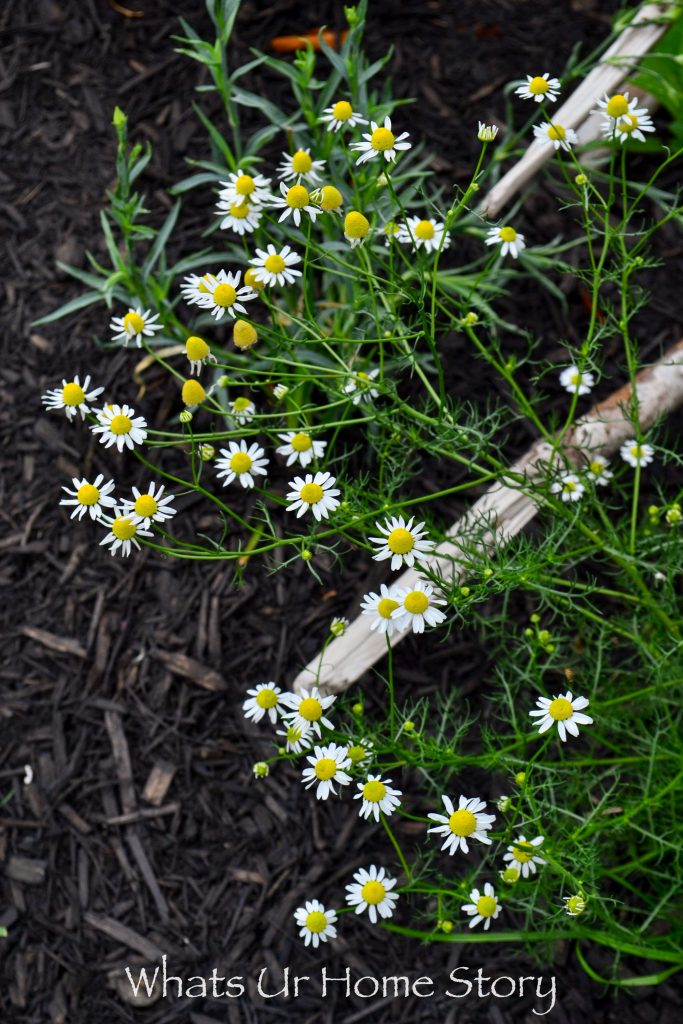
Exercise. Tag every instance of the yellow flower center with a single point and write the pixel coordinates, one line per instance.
(576, 904)
(560, 709)
(206, 283)
(330, 198)
(311, 493)
(400, 541)
(193, 393)
(569, 486)
(507, 234)
(239, 210)
(301, 162)
(73, 394)
(87, 494)
(510, 876)
(275, 264)
(636, 451)
(297, 197)
(357, 753)
(356, 225)
(252, 281)
(301, 442)
(325, 768)
(424, 230)
(521, 855)
(146, 505)
(617, 106)
(364, 378)
(386, 606)
(267, 699)
(382, 139)
(311, 709)
(576, 378)
(486, 906)
(538, 86)
(133, 323)
(293, 734)
(373, 892)
(316, 922)
(123, 528)
(196, 348)
(342, 110)
(240, 404)
(628, 123)
(240, 462)
(225, 295)
(245, 185)
(556, 132)
(416, 602)
(120, 424)
(243, 334)
(462, 823)
(374, 791)
(596, 468)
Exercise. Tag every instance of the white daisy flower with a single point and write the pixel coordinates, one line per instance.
(487, 132)
(356, 228)
(468, 822)
(371, 891)
(307, 710)
(484, 907)
(273, 267)
(555, 135)
(296, 740)
(417, 608)
(222, 294)
(360, 386)
(241, 462)
(300, 447)
(381, 606)
(300, 166)
(402, 542)
(327, 767)
(196, 290)
(597, 470)
(577, 382)
(522, 855)
(135, 324)
(539, 88)
(361, 752)
(624, 118)
(340, 115)
(148, 508)
(377, 795)
(563, 711)
(294, 200)
(315, 924)
(122, 533)
(315, 492)
(263, 699)
(426, 234)
(72, 397)
(569, 487)
(243, 409)
(118, 424)
(198, 352)
(637, 454)
(380, 141)
(509, 240)
(242, 218)
(241, 188)
(89, 497)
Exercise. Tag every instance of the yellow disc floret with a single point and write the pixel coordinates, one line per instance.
(538, 86)
(462, 823)
(274, 263)
(73, 394)
(560, 709)
(507, 234)
(486, 906)
(196, 348)
(252, 281)
(374, 791)
(301, 442)
(311, 493)
(416, 602)
(133, 322)
(123, 528)
(239, 210)
(617, 105)
(521, 855)
(330, 198)
(382, 140)
(224, 295)
(301, 162)
(311, 709)
(356, 225)
(424, 230)
(373, 892)
(120, 424)
(400, 541)
(146, 506)
(241, 462)
(325, 768)
(316, 922)
(556, 132)
(243, 334)
(87, 494)
(385, 606)
(245, 185)
(342, 110)
(297, 197)
(267, 699)
(193, 393)
(241, 404)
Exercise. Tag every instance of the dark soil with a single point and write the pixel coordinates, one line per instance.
(113, 670)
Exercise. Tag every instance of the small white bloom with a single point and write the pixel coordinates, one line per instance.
(315, 492)
(307, 710)
(341, 114)
(296, 740)
(280, 391)
(577, 382)
(273, 267)
(377, 795)
(539, 88)
(196, 290)
(522, 855)
(294, 200)
(381, 606)
(637, 454)
(563, 711)
(261, 770)
(327, 766)
(151, 507)
(245, 188)
(361, 752)
(380, 141)
(624, 119)
(300, 166)
(509, 240)
(402, 542)
(338, 626)
(360, 386)
(425, 234)
(122, 533)
(242, 218)
(263, 699)
(300, 447)
(569, 487)
(241, 462)
(597, 470)
(484, 907)
(315, 924)
(135, 324)
(243, 409)
(118, 424)
(417, 608)
(468, 822)
(371, 891)
(555, 135)
(89, 497)
(72, 397)
(487, 132)
(574, 905)
(221, 293)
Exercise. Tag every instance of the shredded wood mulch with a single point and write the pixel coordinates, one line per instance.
(131, 827)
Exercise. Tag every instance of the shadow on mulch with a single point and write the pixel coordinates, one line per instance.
(142, 831)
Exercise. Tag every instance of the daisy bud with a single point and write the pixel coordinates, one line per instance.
(488, 573)
(504, 803)
(465, 591)
(673, 515)
(574, 905)
(446, 927)
(487, 133)
(261, 770)
(653, 511)
(471, 319)
(509, 876)
(206, 452)
(409, 726)
(280, 390)
(382, 181)
(252, 281)
(193, 393)
(243, 335)
(185, 416)
(339, 626)
(223, 381)
(356, 227)
(306, 555)
(581, 179)
(520, 778)
(357, 710)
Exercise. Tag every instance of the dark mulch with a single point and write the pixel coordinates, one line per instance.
(121, 682)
